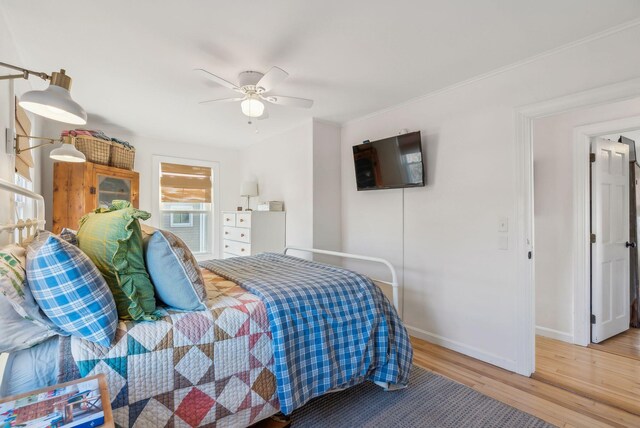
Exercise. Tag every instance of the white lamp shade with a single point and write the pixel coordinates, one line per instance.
(252, 107)
(249, 188)
(67, 153)
(54, 103)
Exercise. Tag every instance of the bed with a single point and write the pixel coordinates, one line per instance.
(278, 331)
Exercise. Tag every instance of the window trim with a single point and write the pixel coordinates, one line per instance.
(214, 224)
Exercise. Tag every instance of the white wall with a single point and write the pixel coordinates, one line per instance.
(283, 167)
(9, 54)
(302, 168)
(553, 184)
(327, 207)
(460, 289)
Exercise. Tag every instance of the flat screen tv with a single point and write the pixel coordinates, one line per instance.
(391, 163)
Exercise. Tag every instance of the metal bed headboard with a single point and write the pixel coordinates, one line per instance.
(394, 277)
(27, 227)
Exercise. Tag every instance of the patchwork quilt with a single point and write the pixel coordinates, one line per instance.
(205, 368)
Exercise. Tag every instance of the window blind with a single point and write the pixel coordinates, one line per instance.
(184, 183)
(24, 160)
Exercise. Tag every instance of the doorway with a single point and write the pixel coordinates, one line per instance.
(615, 289)
(565, 354)
(614, 173)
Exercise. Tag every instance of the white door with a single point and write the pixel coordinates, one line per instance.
(610, 255)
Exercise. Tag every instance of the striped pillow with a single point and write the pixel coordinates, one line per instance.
(70, 289)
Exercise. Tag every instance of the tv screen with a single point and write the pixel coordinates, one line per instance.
(389, 163)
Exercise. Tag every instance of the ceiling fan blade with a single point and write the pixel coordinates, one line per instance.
(222, 100)
(218, 80)
(272, 79)
(288, 101)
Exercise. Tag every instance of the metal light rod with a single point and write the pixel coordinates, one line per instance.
(15, 139)
(25, 72)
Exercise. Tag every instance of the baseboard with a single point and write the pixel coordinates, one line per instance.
(470, 351)
(554, 334)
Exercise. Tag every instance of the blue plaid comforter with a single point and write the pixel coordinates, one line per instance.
(332, 328)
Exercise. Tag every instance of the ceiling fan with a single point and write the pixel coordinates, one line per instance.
(255, 88)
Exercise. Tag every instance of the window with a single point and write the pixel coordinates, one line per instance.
(185, 202)
(181, 220)
(24, 205)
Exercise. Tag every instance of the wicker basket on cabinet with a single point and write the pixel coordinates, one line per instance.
(95, 149)
(122, 156)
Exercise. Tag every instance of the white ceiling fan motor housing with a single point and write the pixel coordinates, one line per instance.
(249, 79)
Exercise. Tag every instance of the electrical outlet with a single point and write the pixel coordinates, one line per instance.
(503, 224)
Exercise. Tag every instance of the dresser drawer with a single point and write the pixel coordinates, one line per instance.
(243, 219)
(236, 248)
(237, 234)
(229, 219)
(228, 255)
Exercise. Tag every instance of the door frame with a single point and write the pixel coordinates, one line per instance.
(524, 117)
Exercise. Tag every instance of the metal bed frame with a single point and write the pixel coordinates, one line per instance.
(25, 228)
(394, 277)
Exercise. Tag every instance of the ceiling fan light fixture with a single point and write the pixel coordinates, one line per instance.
(252, 107)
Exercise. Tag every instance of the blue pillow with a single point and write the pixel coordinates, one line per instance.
(70, 289)
(174, 271)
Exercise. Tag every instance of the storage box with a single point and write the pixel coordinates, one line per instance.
(270, 206)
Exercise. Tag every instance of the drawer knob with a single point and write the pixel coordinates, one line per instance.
(241, 220)
(226, 233)
(242, 235)
(241, 249)
(227, 219)
(226, 246)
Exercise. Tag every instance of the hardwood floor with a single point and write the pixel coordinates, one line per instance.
(572, 387)
(551, 403)
(602, 376)
(626, 344)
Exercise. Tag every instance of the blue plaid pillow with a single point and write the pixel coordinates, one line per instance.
(70, 289)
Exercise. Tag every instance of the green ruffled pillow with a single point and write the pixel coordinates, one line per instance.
(112, 239)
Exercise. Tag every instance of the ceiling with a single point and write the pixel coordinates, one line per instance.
(132, 61)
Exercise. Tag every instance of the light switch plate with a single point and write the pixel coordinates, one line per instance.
(503, 224)
(503, 242)
(9, 141)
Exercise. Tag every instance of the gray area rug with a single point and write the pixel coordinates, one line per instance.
(430, 400)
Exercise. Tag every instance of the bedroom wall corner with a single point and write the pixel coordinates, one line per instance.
(283, 167)
(327, 178)
(301, 167)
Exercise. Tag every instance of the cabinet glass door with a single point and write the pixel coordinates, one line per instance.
(112, 188)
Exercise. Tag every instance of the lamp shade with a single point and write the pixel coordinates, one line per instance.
(249, 188)
(67, 153)
(252, 107)
(55, 102)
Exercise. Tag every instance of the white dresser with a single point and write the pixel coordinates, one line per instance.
(248, 233)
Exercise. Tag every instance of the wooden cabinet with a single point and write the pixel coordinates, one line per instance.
(79, 188)
(247, 233)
